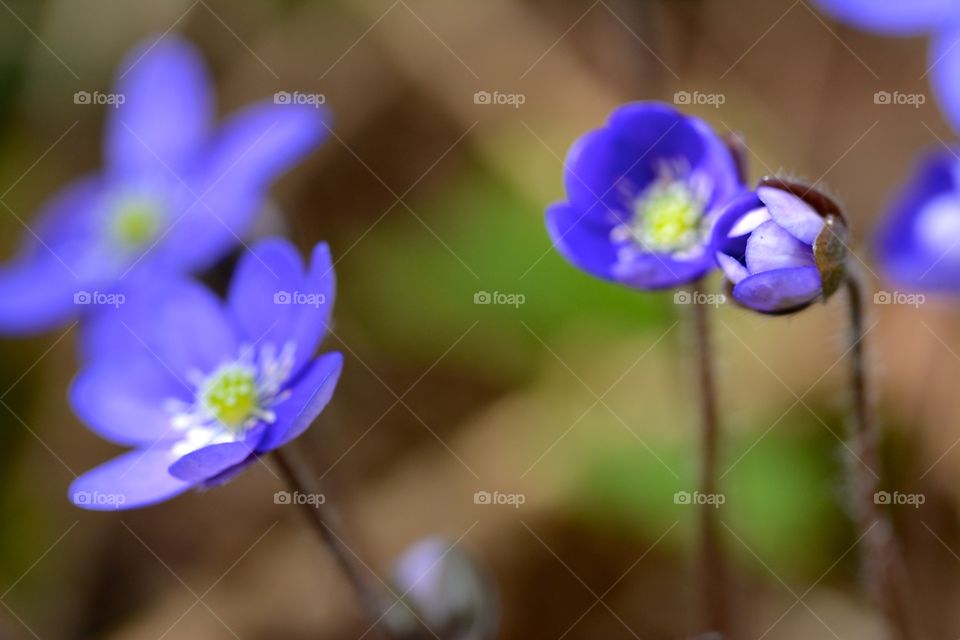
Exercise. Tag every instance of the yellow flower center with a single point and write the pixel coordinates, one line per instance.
(666, 217)
(230, 395)
(135, 222)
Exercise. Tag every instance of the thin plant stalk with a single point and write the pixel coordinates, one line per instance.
(373, 600)
(714, 591)
(883, 564)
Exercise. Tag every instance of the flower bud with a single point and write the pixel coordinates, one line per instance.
(452, 596)
(782, 247)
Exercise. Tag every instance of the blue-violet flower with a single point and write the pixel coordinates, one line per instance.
(174, 194)
(918, 241)
(200, 389)
(781, 247)
(642, 195)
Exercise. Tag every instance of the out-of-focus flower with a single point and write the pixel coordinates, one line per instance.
(781, 247)
(642, 194)
(918, 242)
(453, 597)
(174, 194)
(940, 19)
(200, 388)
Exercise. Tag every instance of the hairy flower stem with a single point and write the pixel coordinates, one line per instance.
(373, 600)
(714, 592)
(883, 565)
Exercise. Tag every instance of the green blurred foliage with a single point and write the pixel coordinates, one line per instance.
(781, 499)
(415, 297)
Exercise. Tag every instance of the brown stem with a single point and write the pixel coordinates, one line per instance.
(299, 478)
(714, 588)
(883, 564)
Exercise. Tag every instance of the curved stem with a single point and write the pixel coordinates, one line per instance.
(884, 568)
(714, 589)
(325, 522)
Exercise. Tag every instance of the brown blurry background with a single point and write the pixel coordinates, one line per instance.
(580, 399)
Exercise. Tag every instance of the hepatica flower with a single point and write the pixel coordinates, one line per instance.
(201, 388)
(918, 241)
(781, 247)
(940, 19)
(642, 195)
(175, 193)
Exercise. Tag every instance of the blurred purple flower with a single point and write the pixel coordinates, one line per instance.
(940, 19)
(777, 247)
(452, 595)
(642, 194)
(175, 194)
(199, 388)
(918, 242)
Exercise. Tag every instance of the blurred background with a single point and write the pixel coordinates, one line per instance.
(477, 359)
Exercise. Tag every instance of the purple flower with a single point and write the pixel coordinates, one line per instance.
(174, 195)
(199, 388)
(781, 247)
(938, 18)
(453, 596)
(918, 242)
(642, 194)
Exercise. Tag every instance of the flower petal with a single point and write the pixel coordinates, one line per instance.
(259, 143)
(582, 240)
(127, 402)
(944, 69)
(910, 245)
(772, 247)
(209, 462)
(177, 322)
(274, 302)
(137, 478)
(608, 167)
(166, 110)
(895, 17)
(792, 214)
(308, 397)
(780, 290)
(732, 268)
